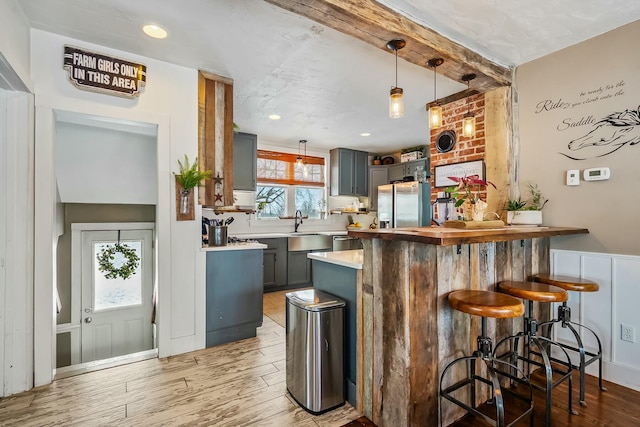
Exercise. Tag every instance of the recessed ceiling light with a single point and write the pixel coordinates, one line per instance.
(365, 134)
(154, 31)
(274, 117)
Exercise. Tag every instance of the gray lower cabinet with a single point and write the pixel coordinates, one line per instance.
(342, 282)
(245, 151)
(234, 295)
(275, 263)
(299, 268)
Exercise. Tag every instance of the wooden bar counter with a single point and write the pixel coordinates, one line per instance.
(407, 333)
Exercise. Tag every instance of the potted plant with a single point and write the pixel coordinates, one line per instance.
(190, 176)
(522, 212)
(467, 193)
(377, 160)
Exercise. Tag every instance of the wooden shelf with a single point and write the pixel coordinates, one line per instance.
(222, 211)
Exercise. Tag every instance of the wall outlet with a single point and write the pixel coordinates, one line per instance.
(627, 333)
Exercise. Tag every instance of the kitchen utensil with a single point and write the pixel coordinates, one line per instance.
(228, 221)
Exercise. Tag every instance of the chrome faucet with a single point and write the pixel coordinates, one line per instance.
(298, 215)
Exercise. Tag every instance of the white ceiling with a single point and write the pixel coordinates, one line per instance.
(327, 87)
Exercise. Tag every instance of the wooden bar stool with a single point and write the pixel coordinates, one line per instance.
(540, 292)
(485, 304)
(575, 284)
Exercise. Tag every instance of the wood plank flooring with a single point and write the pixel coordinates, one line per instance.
(236, 384)
(617, 407)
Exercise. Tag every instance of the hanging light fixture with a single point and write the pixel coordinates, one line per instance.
(396, 103)
(299, 158)
(305, 166)
(435, 112)
(469, 121)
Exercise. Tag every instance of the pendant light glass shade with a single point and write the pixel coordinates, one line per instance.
(469, 126)
(435, 117)
(396, 101)
(435, 112)
(299, 161)
(469, 120)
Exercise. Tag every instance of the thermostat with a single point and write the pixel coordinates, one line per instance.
(596, 174)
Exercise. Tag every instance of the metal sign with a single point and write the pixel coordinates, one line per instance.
(97, 72)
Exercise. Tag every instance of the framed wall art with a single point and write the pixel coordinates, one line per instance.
(460, 170)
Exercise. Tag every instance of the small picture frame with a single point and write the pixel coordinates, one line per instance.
(462, 169)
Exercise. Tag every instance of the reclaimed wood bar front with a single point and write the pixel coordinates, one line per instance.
(407, 332)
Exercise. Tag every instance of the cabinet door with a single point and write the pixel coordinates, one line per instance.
(346, 186)
(245, 150)
(275, 262)
(396, 172)
(270, 257)
(234, 288)
(298, 268)
(378, 175)
(361, 173)
(411, 166)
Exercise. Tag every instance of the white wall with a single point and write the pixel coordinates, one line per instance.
(555, 107)
(14, 39)
(16, 237)
(169, 101)
(604, 311)
(98, 165)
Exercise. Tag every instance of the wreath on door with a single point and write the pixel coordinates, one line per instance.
(125, 268)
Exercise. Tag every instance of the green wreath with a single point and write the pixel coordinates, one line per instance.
(107, 257)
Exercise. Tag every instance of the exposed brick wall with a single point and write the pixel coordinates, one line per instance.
(465, 149)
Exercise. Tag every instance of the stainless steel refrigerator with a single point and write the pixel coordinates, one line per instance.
(405, 204)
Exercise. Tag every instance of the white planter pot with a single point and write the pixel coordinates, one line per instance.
(524, 217)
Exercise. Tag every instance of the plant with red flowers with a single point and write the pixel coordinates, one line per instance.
(467, 188)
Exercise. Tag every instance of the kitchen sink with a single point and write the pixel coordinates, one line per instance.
(309, 242)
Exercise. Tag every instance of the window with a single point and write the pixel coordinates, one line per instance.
(116, 293)
(284, 186)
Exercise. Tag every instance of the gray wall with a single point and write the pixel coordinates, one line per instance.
(556, 107)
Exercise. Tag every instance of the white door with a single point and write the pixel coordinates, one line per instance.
(116, 313)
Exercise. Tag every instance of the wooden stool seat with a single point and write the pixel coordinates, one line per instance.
(568, 283)
(486, 304)
(533, 291)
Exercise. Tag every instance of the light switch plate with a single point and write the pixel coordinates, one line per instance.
(573, 177)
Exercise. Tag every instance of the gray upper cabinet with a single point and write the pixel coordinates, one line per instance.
(245, 151)
(378, 175)
(398, 171)
(349, 172)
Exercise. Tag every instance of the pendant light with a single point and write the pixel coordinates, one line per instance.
(305, 166)
(469, 121)
(299, 158)
(435, 112)
(396, 103)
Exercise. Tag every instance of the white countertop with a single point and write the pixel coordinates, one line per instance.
(234, 247)
(351, 259)
(282, 234)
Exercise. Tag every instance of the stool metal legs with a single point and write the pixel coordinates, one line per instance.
(485, 353)
(564, 318)
(542, 349)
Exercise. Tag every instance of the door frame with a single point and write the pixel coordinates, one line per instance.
(76, 274)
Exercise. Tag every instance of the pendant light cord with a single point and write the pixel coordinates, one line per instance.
(396, 68)
(435, 94)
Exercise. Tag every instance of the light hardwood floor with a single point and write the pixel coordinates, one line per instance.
(236, 384)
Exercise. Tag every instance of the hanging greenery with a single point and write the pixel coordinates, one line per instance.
(106, 260)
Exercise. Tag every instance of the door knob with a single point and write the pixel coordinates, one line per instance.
(88, 320)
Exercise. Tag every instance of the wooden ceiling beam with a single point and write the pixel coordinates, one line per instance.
(376, 24)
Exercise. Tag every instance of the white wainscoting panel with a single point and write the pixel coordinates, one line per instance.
(616, 303)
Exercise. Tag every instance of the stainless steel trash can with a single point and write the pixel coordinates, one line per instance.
(315, 346)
